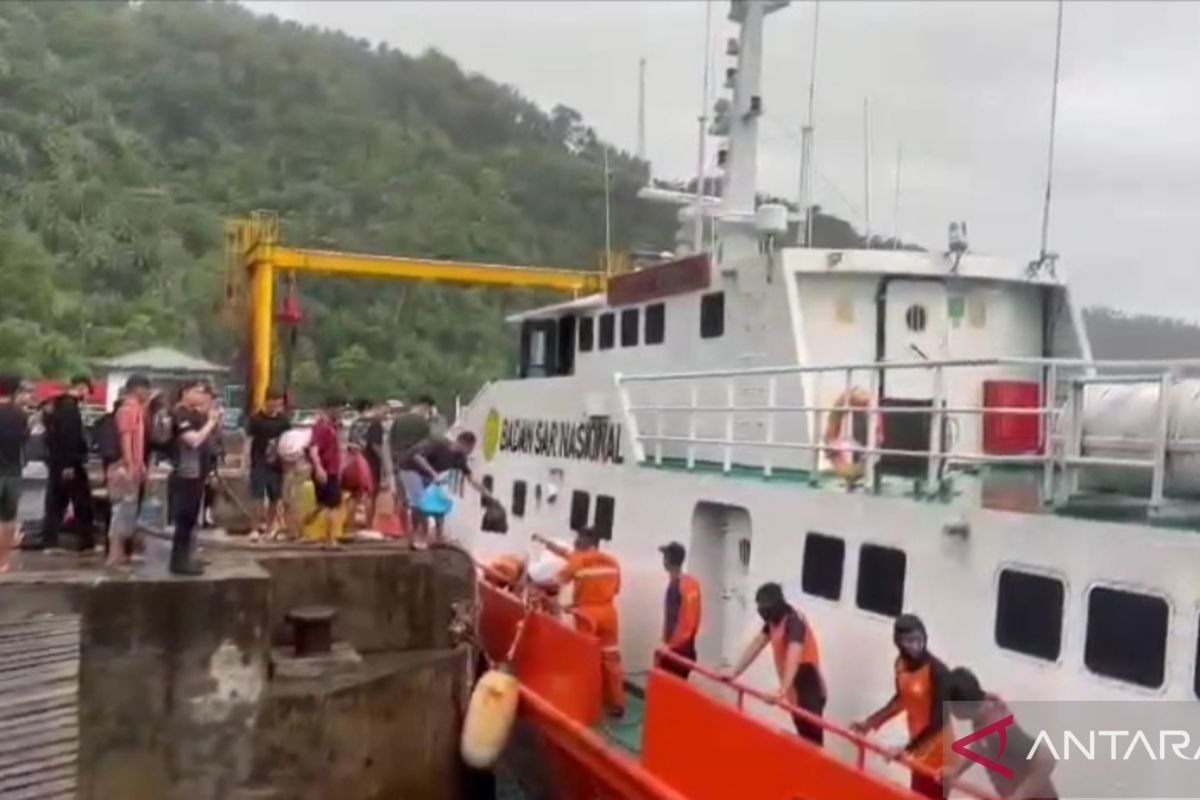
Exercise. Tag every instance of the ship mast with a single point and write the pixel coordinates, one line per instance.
(805, 234)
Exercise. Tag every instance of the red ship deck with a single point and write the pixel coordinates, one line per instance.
(693, 746)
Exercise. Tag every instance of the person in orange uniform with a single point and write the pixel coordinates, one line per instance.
(922, 689)
(597, 579)
(681, 617)
(505, 572)
(797, 658)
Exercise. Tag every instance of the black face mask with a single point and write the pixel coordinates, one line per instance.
(772, 614)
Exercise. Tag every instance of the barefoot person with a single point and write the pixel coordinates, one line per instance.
(14, 433)
(325, 453)
(426, 463)
(266, 470)
(127, 472)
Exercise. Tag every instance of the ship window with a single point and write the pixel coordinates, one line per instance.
(587, 334)
(607, 331)
(518, 498)
(488, 482)
(712, 315)
(1126, 636)
(914, 318)
(605, 508)
(656, 323)
(824, 560)
(630, 321)
(881, 579)
(580, 506)
(1029, 614)
(1196, 673)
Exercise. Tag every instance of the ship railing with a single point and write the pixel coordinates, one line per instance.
(861, 745)
(1062, 383)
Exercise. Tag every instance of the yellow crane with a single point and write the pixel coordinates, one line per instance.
(254, 257)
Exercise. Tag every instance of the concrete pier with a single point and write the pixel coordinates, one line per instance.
(189, 689)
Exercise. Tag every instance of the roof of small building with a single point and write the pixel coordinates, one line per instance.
(161, 359)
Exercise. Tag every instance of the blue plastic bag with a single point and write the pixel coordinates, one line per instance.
(435, 501)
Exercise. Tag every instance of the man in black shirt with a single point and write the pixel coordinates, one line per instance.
(266, 470)
(194, 421)
(66, 466)
(1030, 776)
(14, 433)
(429, 460)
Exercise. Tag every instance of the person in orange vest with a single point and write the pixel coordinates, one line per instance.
(681, 620)
(505, 572)
(597, 580)
(922, 690)
(797, 658)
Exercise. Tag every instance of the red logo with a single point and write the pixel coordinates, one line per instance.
(959, 746)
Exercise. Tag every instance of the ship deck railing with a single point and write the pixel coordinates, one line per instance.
(1061, 451)
(860, 744)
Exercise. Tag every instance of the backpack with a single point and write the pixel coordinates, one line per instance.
(105, 439)
(160, 434)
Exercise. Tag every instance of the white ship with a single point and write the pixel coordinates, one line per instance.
(1030, 504)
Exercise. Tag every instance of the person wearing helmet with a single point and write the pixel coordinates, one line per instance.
(797, 658)
(922, 689)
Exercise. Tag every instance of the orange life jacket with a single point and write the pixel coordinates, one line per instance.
(915, 691)
(504, 571)
(810, 652)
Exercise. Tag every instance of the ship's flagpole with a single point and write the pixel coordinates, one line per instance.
(896, 212)
(1053, 121)
(607, 218)
(806, 140)
(641, 117)
(698, 233)
(867, 171)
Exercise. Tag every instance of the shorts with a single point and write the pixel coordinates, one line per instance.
(10, 497)
(266, 484)
(412, 486)
(123, 523)
(328, 494)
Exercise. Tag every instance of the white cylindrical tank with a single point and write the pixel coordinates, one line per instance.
(771, 218)
(1120, 420)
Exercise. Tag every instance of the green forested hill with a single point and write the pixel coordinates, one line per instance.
(128, 132)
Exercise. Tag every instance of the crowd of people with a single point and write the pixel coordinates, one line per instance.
(391, 455)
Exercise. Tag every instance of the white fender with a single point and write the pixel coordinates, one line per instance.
(490, 717)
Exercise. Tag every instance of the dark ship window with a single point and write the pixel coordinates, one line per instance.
(581, 503)
(824, 562)
(881, 579)
(712, 315)
(630, 323)
(607, 331)
(518, 498)
(656, 323)
(605, 510)
(587, 334)
(914, 318)
(1126, 636)
(1029, 614)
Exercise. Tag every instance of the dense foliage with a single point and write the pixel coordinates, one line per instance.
(127, 133)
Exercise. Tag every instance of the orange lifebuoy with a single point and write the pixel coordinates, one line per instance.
(846, 463)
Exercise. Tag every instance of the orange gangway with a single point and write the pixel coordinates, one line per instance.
(694, 746)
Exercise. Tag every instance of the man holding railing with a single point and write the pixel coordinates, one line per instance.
(797, 658)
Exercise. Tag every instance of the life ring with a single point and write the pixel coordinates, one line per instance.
(847, 463)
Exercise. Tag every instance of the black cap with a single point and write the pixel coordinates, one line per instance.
(675, 553)
(588, 533)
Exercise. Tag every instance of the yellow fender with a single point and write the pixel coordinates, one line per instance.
(490, 717)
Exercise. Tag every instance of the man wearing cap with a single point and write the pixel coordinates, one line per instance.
(681, 617)
(597, 580)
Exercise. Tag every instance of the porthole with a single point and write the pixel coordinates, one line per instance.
(914, 318)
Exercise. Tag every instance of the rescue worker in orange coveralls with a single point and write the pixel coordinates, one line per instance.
(597, 579)
(922, 691)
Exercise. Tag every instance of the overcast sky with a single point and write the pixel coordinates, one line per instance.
(963, 88)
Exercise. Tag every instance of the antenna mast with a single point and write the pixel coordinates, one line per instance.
(702, 157)
(896, 212)
(806, 141)
(1053, 120)
(867, 171)
(641, 118)
(607, 218)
